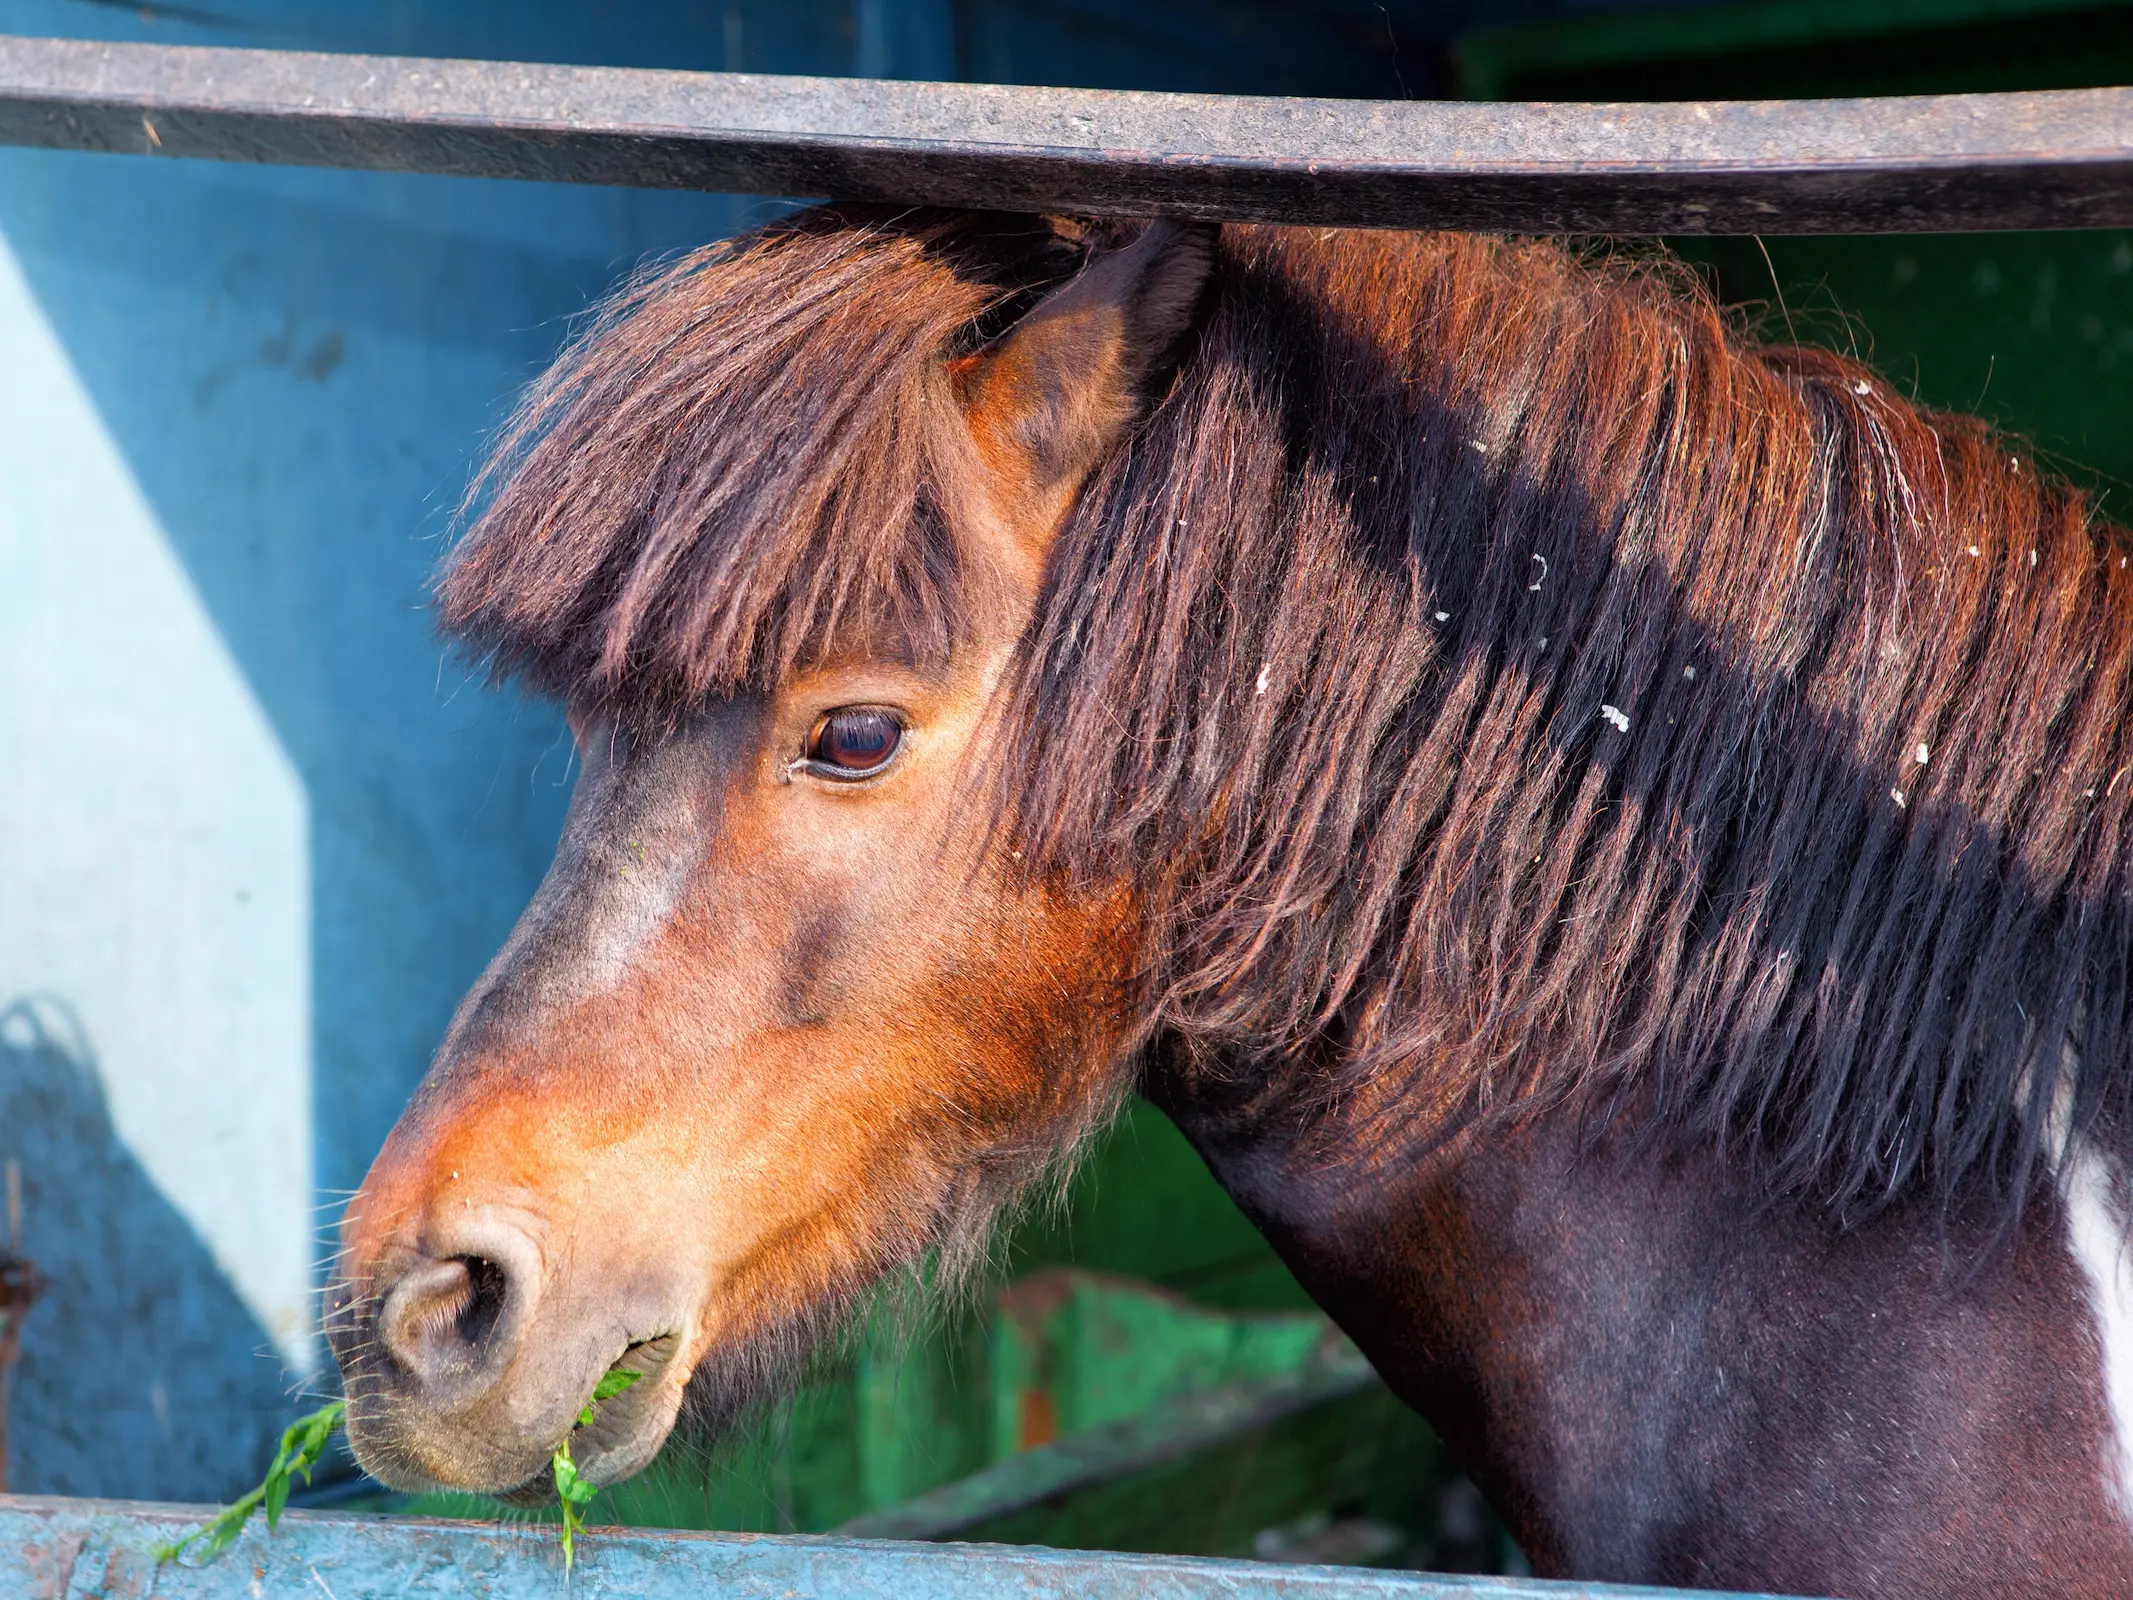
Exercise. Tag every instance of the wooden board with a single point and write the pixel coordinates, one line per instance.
(1203, 1472)
(1931, 163)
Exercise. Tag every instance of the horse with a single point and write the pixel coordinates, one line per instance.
(1611, 838)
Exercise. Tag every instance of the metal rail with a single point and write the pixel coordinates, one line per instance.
(52, 1549)
(2061, 159)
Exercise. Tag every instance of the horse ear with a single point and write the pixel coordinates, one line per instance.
(1050, 397)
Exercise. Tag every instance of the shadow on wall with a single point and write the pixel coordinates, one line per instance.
(140, 1353)
(296, 367)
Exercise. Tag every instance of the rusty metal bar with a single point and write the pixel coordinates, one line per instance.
(2060, 159)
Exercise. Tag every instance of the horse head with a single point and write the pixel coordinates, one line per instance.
(783, 1016)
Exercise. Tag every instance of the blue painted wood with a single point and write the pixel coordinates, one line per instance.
(54, 1549)
(264, 387)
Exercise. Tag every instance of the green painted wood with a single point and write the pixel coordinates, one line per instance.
(54, 1549)
(1202, 1472)
(1126, 1419)
(1073, 1349)
(1802, 48)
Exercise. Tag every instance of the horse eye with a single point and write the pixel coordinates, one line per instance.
(854, 743)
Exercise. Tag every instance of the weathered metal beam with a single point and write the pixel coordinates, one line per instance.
(1949, 162)
(98, 1550)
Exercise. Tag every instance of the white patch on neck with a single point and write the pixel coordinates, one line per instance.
(2096, 1237)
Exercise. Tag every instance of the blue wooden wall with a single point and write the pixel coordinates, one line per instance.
(257, 832)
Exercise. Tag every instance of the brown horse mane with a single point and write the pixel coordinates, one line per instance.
(725, 476)
(1506, 683)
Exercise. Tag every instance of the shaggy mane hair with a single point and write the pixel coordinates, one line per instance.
(1505, 683)
(725, 475)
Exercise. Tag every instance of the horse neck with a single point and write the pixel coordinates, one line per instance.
(1657, 1379)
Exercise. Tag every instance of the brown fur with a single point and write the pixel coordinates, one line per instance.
(1422, 866)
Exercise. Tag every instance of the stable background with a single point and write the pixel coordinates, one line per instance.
(258, 830)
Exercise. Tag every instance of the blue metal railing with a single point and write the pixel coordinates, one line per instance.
(58, 1549)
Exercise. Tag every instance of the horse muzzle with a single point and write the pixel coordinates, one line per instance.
(466, 1366)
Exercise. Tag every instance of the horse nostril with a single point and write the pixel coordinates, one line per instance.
(485, 1307)
(440, 1319)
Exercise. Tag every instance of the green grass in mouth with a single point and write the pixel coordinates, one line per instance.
(572, 1492)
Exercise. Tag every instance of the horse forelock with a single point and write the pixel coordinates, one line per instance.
(1509, 685)
(729, 472)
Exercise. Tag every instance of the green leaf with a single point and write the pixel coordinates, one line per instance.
(571, 1492)
(302, 1443)
(221, 1534)
(215, 1535)
(319, 1429)
(277, 1497)
(607, 1388)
